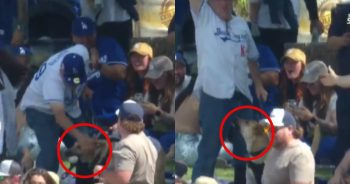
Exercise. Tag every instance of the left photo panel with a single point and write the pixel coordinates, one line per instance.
(87, 91)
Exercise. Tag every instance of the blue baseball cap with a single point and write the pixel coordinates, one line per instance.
(83, 26)
(179, 58)
(130, 110)
(22, 51)
(74, 69)
(2, 45)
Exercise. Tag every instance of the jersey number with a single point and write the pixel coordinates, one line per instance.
(40, 71)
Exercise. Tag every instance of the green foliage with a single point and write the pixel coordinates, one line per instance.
(241, 8)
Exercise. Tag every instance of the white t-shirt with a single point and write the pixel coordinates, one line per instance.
(183, 86)
(47, 85)
(111, 12)
(264, 19)
(223, 51)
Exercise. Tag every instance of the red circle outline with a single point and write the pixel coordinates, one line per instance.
(272, 130)
(59, 152)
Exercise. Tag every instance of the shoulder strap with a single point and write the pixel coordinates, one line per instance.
(185, 93)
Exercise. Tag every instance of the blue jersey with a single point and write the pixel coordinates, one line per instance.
(267, 62)
(108, 94)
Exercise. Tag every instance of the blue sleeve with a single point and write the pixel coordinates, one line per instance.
(111, 52)
(267, 59)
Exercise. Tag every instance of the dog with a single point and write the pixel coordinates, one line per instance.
(75, 154)
(257, 138)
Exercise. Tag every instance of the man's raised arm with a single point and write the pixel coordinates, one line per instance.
(196, 5)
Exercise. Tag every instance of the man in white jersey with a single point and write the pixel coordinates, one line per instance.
(51, 101)
(226, 57)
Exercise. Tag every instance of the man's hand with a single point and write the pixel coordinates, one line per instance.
(337, 179)
(316, 24)
(95, 58)
(330, 79)
(303, 114)
(17, 38)
(336, 42)
(150, 108)
(27, 161)
(20, 121)
(261, 93)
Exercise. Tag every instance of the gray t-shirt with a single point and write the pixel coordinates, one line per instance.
(135, 153)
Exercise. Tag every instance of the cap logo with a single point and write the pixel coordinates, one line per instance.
(76, 80)
(22, 51)
(104, 59)
(83, 25)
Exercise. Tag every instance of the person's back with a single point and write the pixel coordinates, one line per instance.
(35, 93)
(145, 155)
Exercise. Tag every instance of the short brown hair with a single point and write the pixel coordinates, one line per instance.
(298, 132)
(39, 172)
(133, 127)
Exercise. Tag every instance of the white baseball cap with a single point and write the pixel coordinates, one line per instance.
(10, 168)
(281, 118)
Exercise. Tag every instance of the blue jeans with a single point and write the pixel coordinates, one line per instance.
(165, 139)
(211, 112)
(48, 132)
(326, 148)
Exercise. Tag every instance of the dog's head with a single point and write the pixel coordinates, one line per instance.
(99, 154)
(256, 135)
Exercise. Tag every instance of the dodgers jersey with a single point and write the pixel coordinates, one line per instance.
(108, 94)
(223, 49)
(48, 86)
